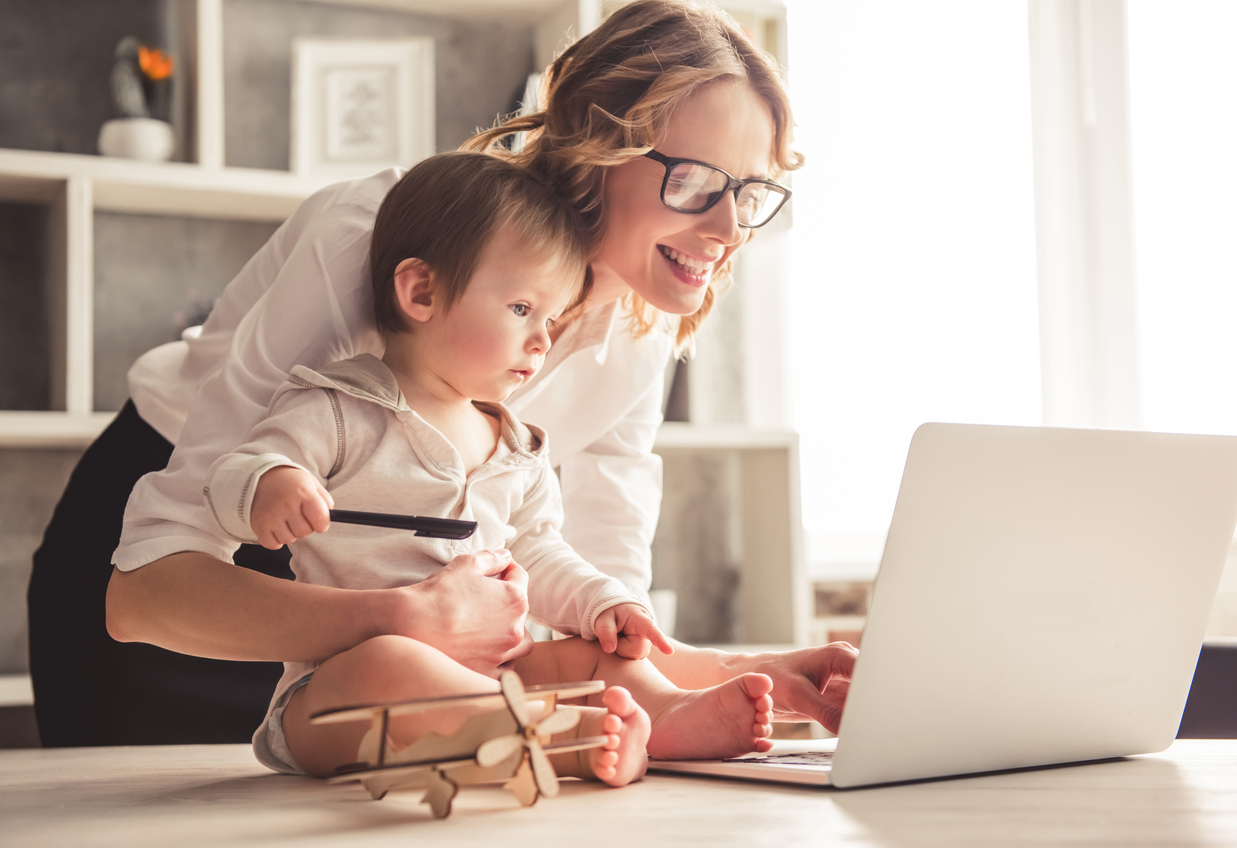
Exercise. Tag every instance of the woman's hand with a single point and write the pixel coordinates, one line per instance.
(629, 631)
(473, 610)
(288, 504)
(810, 682)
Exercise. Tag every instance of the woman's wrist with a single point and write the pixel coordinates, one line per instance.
(396, 612)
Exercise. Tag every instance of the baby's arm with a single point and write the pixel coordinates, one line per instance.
(288, 505)
(271, 489)
(568, 594)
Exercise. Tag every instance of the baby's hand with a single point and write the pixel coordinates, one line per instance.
(637, 630)
(288, 504)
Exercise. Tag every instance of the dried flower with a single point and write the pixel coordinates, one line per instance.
(155, 64)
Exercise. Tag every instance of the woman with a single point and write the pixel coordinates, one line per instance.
(659, 82)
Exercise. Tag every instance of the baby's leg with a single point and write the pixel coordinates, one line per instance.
(385, 669)
(720, 721)
(392, 668)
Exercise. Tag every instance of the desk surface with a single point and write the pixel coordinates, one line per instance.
(218, 795)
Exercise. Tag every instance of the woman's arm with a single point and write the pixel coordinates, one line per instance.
(808, 683)
(193, 603)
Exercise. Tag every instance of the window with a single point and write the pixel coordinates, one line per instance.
(1183, 72)
(913, 270)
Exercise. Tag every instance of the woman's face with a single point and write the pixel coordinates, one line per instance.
(669, 257)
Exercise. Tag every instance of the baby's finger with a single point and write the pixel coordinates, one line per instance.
(607, 632)
(283, 534)
(317, 513)
(653, 633)
(298, 526)
(633, 647)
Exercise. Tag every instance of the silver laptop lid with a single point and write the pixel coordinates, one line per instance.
(1041, 599)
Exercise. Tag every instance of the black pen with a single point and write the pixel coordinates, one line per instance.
(438, 528)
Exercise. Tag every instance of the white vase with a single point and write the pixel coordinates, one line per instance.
(137, 138)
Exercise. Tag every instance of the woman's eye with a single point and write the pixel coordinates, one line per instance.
(520, 309)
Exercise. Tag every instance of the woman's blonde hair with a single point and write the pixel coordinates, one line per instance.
(613, 92)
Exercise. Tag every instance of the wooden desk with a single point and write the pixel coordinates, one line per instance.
(218, 795)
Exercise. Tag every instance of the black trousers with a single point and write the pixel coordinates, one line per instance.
(92, 690)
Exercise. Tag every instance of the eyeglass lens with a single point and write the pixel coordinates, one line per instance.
(691, 187)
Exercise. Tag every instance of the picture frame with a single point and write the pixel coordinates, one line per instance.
(361, 106)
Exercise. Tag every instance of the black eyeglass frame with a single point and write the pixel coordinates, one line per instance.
(735, 185)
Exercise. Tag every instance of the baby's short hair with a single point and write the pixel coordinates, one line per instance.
(445, 210)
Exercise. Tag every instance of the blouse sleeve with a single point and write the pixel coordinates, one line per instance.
(612, 495)
(317, 309)
(565, 592)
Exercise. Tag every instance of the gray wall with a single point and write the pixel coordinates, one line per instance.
(479, 69)
(55, 60)
(30, 486)
(56, 57)
(153, 277)
(24, 320)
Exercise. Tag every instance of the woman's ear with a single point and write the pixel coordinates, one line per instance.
(414, 289)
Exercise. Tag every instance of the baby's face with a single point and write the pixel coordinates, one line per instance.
(494, 338)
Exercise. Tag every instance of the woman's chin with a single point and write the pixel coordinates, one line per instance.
(680, 302)
(675, 294)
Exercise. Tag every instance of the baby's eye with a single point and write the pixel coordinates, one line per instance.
(520, 309)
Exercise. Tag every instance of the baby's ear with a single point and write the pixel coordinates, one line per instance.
(414, 289)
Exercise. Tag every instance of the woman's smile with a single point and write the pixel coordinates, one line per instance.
(692, 271)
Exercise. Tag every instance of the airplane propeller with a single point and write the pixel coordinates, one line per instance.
(535, 774)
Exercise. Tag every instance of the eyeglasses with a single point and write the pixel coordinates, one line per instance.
(694, 187)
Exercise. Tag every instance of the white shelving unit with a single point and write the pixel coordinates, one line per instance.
(765, 523)
(74, 187)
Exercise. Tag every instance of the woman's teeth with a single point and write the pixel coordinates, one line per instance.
(696, 266)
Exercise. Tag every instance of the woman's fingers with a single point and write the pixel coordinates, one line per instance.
(490, 563)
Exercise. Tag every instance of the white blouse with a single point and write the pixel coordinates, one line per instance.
(305, 299)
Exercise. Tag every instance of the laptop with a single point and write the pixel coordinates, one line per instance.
(1042, 599)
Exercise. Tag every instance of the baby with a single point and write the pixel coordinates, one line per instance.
(473, 262)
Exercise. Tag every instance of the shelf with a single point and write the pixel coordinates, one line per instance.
(16, 690)
(529, 10)
(678, 436)
(61, 429)
(164, 188)
(22, 429)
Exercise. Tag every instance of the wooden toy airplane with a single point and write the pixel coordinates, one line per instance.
(499, 745)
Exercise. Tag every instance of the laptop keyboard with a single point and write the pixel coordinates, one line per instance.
(807, 758)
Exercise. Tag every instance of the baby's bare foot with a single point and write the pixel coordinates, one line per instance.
(622, 759)
(722, 721)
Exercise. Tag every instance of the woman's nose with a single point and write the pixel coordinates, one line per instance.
(722, 221)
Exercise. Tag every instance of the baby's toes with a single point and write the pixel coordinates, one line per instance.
(757, 686)
(611, 724)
